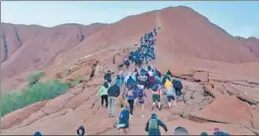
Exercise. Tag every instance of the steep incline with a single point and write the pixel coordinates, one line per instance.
(187, 33)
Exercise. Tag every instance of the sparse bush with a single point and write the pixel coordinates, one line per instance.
(34, 78)
(38, 92)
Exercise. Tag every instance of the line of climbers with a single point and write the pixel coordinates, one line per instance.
(136, 84)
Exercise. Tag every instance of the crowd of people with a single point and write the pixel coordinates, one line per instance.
(132, 87)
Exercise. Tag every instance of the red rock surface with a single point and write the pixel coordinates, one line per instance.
(219, 73)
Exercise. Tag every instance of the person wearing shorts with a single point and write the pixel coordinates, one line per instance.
(141, 98)
(156, 98)
(171, 96)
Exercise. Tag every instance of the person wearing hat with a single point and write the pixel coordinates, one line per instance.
(180, 131)
(37, 133)
(81, 131)
(152, 126)
(124, 120)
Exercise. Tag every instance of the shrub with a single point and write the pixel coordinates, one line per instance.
(34, 78)
(38, 92)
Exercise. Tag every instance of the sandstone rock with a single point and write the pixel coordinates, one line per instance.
(226, 109)
(57, 104)
(16, 117)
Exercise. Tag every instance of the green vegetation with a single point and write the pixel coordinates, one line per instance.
(34, 93)
(34, 78)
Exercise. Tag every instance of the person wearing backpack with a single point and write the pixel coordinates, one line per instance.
(124, 121)
(130, 98)
(103, 92)
(141, 95)
(152, 126)
(156, 93)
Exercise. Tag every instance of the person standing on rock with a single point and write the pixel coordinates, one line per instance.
(81, 131)
(37, 133)
(124, 121)
(118, 80)
(141, 95)
(177, 84)
(108, 76)
(130, 98)
(170, 93)
(180, 131)
(113, 93)
(152, 126)
(156, 93)
(103, 92)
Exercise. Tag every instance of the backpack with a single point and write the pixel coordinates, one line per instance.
(153, 124)
(155, 87)
(129, 93)
(152, 80)
(140, 93)
(123, 115)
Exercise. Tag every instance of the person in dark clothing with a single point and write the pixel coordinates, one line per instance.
(113, 93)
(124, 121)
(158, 73)
(204, 134)
(129, 94)
(152, 126)
(220, 133)
(37, 133)
(180, 131)
(108, 76)
(177, 84)
(169, 73)
(81, 131)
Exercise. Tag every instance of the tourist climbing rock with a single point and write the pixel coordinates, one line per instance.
(103, 92)
(81, 131)
(141, 96)
(108, 76)
(152, 126)
(124, 121)
(113, 93)
(130, 98)
(177, 84)
(180, 131)
(156, 99)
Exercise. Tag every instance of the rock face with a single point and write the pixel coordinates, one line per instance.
(217, 92)
(226, 109)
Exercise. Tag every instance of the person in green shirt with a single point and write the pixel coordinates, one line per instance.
(103, 92)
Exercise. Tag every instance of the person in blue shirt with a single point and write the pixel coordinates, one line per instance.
(124, 120)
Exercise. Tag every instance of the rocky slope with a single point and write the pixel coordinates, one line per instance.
(218, 92)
